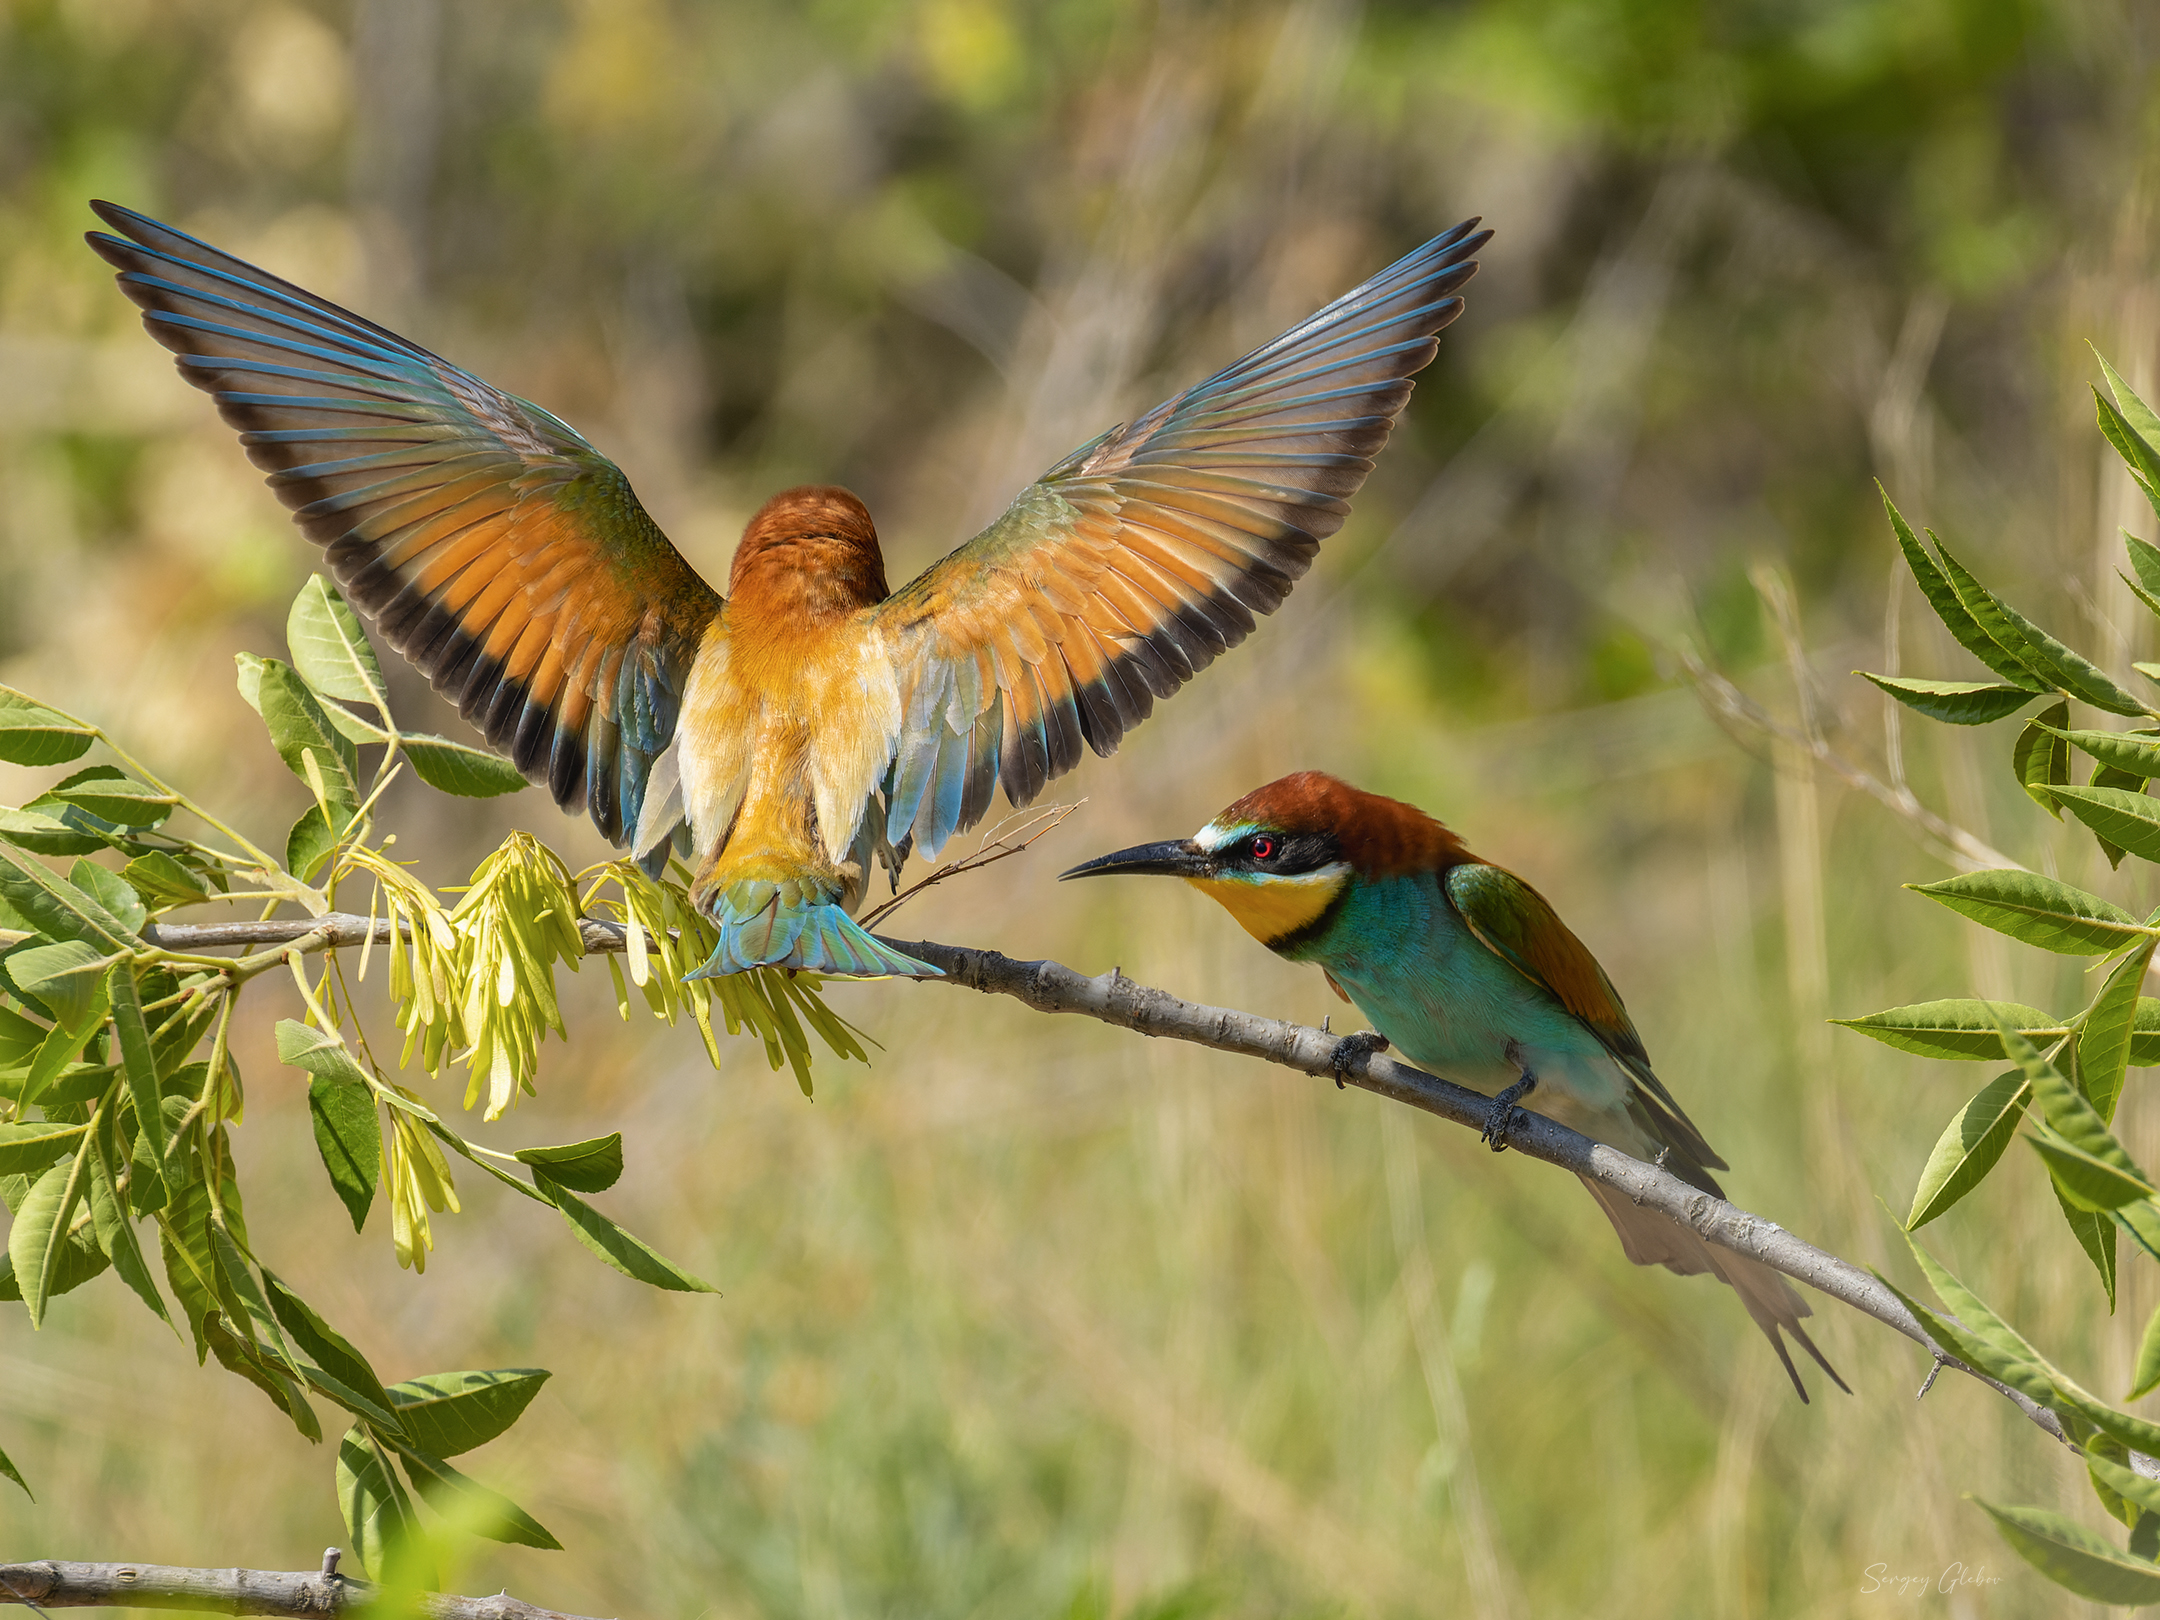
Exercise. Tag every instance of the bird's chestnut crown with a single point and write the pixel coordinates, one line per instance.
(1310, 819)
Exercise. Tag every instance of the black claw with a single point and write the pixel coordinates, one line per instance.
(1353, 1047)
(1504, 1116)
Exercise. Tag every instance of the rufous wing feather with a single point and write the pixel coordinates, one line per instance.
(491, 545)
(1123, 571)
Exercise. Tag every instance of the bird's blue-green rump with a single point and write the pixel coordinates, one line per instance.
(1466, 971)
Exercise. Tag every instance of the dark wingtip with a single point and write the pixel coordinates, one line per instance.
(1777, 1343)
(1821, 1360)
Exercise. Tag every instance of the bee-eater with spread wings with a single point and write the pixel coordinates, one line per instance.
(1465, 970)
(811, 720)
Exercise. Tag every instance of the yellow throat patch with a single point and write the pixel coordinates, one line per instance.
(1270, 908)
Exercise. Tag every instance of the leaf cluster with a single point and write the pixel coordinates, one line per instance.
(2067, 1071)
(119, 1093)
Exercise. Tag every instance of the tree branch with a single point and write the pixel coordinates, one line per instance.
(57, 1585)
(1114, 999)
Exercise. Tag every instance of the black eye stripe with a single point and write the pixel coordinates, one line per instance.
(1286, 856)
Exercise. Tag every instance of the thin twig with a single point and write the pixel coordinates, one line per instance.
(1733, 707)
(1111, 998)
(55, 1584)
(993, 847)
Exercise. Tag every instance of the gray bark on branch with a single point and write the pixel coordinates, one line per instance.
(53, 1584)
(1114, 999)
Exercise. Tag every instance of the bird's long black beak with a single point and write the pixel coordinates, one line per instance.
(1179, 858)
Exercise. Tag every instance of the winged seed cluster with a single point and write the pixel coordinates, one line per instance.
(2067, 1072)
(118, 1091)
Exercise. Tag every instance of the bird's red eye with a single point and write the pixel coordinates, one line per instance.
(1263, 848)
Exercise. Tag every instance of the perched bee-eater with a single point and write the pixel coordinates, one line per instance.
(1465, 970)
(812, 720)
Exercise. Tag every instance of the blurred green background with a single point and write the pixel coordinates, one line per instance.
(1032, 1318)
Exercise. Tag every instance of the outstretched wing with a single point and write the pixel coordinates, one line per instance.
(1514, 922)
(1130, 564)
(492, 546)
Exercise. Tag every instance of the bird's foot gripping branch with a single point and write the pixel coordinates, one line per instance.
(119, 1092)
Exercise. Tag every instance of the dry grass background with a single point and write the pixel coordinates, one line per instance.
(1030, 1317)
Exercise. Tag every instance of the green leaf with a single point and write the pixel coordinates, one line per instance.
(301, 732)
(2145, 558)
(2095, 1234)
(112, 891)
(471, 1505)
(2137, 415)
(310, 843)
(7, 1467)
(333, 1352)
(2126, 1483)
(112, 794)
(2032, 646)
(80, 1260)
(173, 1039)
(242, 1294)
(111, 1220)
(56, 909)
(2072, 1556)
(46, 835)
(1969, 1147)
(2039, 910)
(2069, 1114)
(248, 669)
(2040, 759)
(379, 1522)
(2087, 1181)
(190, 1266)
(68, 979)
(245, 1357)
(454, 767)
(1962, 1029)
(319, 1052)
(349, 1138)
(590, 1167)
(31, 734)
(2152, 602)
(1948, 608)
(618, 1248)
(447, 1414)
(2147, 1376)
(19, 1037)
(2104, 1044)
(39, 1234)
(55, 1078)
(163, 882)
(1959, 703)
(2138, 456)
(2135, 752)
(138, 1062)
(2117, 816)
(26, 1149)
(2142, 1222)
(330, 651)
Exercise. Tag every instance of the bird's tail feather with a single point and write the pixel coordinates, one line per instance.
(814, 937)
(1654, 1239)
